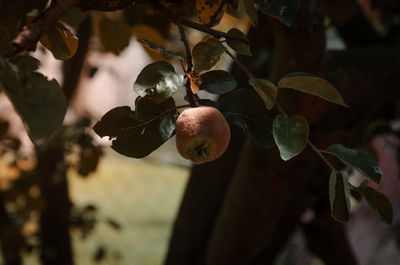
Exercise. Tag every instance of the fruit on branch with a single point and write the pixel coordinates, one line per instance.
(202, 134)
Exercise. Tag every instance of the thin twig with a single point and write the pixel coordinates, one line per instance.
(156, 117)
(28, 38)
(176, 20)
(203, 28)
(315, 149)
(215, 33)
(241, 66)
(189, 63)
(187, 46)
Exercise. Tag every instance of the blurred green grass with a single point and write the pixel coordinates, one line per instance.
(142, 196)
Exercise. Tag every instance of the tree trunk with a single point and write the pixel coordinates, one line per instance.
(55, 238)
(54, 220)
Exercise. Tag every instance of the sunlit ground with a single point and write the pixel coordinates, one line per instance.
(143, 196)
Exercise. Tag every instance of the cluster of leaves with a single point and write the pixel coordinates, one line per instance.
(136, 134)
(42, 105)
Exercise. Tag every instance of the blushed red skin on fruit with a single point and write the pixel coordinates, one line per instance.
(202, 124)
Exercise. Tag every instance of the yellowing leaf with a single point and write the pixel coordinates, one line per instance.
(210, 12)
(308, 83)
(151, 35)
(60, 41)
(266, 89)
(195, 81)
(158, 49)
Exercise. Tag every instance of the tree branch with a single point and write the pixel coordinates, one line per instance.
(215, 33)
(28, 38)
(189, 92)
(203, 28)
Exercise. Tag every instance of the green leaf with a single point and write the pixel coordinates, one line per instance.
(26, 64)
(40, 102)
(308, 83)
(339, 196)
(266, 90)
(290, 135)
(217, 82)
(206, 54)
(158, 81)
(60, 41)
(378, 203)
(251, 12)
(357, 158)
(140, 132)
(244, 108)
(208, 103)
(236, 45)
(283, 10)
(158, 49)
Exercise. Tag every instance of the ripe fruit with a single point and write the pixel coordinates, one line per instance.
(202, 134)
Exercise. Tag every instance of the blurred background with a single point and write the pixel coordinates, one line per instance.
(104, 208)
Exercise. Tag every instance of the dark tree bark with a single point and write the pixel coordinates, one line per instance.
(11, 239)
(55, 217)
(54, 220)
(200, 205)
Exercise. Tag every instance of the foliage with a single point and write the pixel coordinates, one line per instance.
(136, 133)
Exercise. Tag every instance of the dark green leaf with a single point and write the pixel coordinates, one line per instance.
(266, 90)
(26, 64)
(378, 202)
(236, 45)
(339, 196)
(158, 81)
(206, 54)
(244, 108)
(74, 17)
(140, 132)
(358, 159)
(290, 134)
(283, 10)
(311, 84)
(40, 102)
(160, 50)
(208, 103)
(217, 82)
